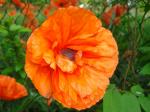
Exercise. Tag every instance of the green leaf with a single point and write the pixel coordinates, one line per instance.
(130, 103)
(24, 30)
(145, 103)
(144, 58)
(9, 21)
(137, 90)
(98, 108)
(14, 27)
(18, 67)
(22, 74)
(19, 28)
(112, 101)
(3, 31)
(7, 70)
(41, 18)
(146, 69)
(20, 19)
(145, 49)
(147, 7)
(28, 101)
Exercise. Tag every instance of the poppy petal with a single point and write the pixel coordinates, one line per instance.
(106, 45)
(40, 76)
(50, 30)
(50, 59)
(83, 21)
(37, 45)
(105, 65)
(65, 64)
(64, 21)
(80, 87)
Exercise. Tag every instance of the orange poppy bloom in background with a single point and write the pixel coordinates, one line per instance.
(12, 13)
(63, 3)
(27, 10)
(117, 10)
(47, 10)
(71, 57)
(2, 2)
(18, 3)
(10, 89)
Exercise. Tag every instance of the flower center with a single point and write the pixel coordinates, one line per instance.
(69, 53)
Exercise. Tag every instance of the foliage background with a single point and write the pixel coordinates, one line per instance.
(129, 90)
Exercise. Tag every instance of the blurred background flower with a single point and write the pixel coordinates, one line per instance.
(10, 89)
(113, 15)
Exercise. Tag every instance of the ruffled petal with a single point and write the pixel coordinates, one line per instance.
(10, 89)
(50, 58)
(105, 45)
(77, 90)
(40, 76)
(64, 24)
(65, 64)
(51, 30)
(36, 46)
(105, 65)
(74, 26)
(102, 56)
(82, 21)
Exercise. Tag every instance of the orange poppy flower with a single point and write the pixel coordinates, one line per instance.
(18, 3)
(31, 21)
(64, 3)
(10, 89)
(71, 59)
(2, 2)
(117, 10)
(47, 9)
(12, 13)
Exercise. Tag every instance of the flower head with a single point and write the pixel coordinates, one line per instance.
(18, 3)
(117, 11)
(10, 89)
(46, 10)
(71, 59)
(12, 13)
(2, 2)
(64, 3)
